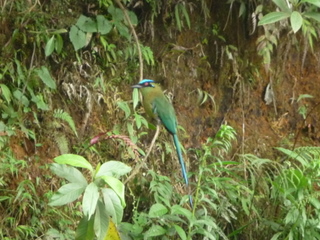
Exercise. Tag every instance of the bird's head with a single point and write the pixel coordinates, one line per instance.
(144, 84)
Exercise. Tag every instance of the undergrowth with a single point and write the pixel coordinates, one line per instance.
(62, 81)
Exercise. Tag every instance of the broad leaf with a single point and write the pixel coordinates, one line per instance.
(90, 199)
(5, 91)
(154, 231)
(113, 168)
(181, 232)
(73, 160)
(117, 186)
(282, 4)
(117, 14)
(101, 221)
(49, 46)
(123, 30)
(178, 210)
(113, 204)
(157, 210)
(313, 15)
(77, 37)
(71, 174)
(21, 97)
(66, 194)
(273, 17)
(314, 2)
(113, 233)
(85, 229)
(104, 26)
(296, 21)
(125, 107)
(46, 78)
(133, 18)
(86, 24)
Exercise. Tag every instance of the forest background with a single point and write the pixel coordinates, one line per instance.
(76, 161)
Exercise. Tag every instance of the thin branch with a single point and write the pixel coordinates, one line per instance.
(134, 35)
(137, 168)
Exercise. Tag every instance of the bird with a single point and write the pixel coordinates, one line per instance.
(158, 107)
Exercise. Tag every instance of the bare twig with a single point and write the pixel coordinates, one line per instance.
(137, 168)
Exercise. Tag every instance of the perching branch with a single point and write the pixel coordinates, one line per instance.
(137, 168)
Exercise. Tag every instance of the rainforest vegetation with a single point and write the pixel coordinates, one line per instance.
(76, 153)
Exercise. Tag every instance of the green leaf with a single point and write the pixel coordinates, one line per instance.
(85, 229)
(90, 199)
(303, 96)
(58, 43)
(73, 160)
(49, 46)
(117, 186)
(273, 17)
(104, 26)
(86, 24)
(5, 91)
(133, 18)
(186, 15)
(67, 194)
(282, 5)
(22, 98)
(157, 210)
(101, 221)
(293, 155)
(296, 21)
(123, 30)
(178, 210)
(315, 202)
(314, 2)
(39, 101)
(242, 9)
(277, 235)
(71, 174)
(77, 37)
(135, 97)
(113, 204)
(125, 107)
(154, 231)
(313, 15)
(117, 14)
(181, 232)
(113, 169)
(46, 78)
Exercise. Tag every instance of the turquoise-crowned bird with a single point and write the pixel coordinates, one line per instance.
(158, 107)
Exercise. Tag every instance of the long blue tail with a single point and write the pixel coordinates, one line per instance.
(183, 167)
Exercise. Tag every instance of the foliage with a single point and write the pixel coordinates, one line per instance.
(24, 211)
(60, 114)
(91, 50)
(295, 189)
(99, 203)
(302, 15)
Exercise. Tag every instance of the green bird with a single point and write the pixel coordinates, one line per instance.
(158, 107)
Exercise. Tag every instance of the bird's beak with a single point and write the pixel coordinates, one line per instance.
(136, 86)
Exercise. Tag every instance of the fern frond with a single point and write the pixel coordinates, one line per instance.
(59, 113)
(62, 143)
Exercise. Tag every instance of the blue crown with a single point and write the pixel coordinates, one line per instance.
(146, 81)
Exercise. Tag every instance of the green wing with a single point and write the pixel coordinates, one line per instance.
(165, 112)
